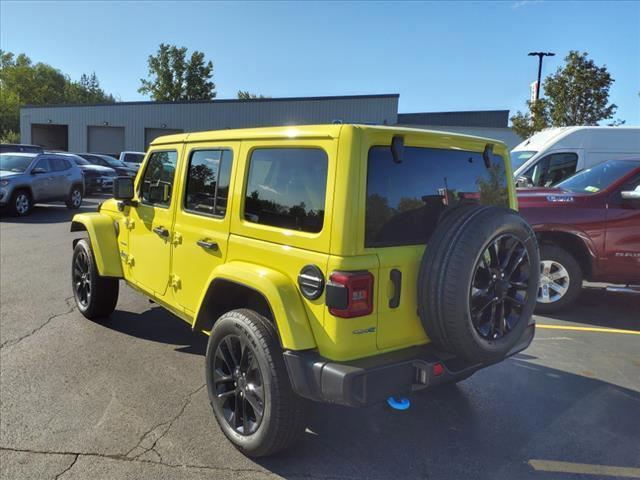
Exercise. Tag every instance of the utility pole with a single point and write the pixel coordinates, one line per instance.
(540, 55)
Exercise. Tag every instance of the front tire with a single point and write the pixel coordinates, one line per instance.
(248, 385)
(96, 296)
(560, 279)
(74, 200)
(21, 203)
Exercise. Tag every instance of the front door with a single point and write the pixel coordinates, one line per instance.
(42, 181)
(202, 218)
(622, 241)
(150, 222)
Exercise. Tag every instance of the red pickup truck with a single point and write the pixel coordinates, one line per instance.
(588, 227)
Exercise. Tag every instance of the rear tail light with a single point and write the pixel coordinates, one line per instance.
(350, 294)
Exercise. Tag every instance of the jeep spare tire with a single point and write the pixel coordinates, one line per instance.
(478, 282)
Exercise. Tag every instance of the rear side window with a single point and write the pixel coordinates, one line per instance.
(405, 200)
(157, 183)
(208, 182)
(286, 188)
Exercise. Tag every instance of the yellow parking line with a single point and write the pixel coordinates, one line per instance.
(584, 468)
(587, 329)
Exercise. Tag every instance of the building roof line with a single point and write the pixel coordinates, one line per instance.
(216, 101)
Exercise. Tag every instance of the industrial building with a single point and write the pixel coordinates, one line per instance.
(112, 128)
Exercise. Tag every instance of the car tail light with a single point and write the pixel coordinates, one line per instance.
(438, 369)
(350, 294)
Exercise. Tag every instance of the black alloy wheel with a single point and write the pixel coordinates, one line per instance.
(499, 287)
(82, 279)
(238, 384)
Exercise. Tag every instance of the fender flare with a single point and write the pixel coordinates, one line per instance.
(104, 242)
(280, 293)
(552, 228)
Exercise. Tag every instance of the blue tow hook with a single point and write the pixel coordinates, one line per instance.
(401, 403)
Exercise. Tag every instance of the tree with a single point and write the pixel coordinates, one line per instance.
(24, 83)
(246, 95)
(577, 94)
(172, 77)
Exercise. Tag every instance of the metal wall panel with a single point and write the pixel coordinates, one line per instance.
(150, 134)
(135, 117)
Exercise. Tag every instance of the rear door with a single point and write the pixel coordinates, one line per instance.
(61, 177)
(404, 204)
(201, 228)
(622, 241)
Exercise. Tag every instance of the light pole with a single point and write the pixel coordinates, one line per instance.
(540, 55)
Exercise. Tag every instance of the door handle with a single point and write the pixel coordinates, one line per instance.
(208, 245)
(163, 232)
(396, 278)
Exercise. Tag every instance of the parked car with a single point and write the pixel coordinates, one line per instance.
(588, 227)
(550, 156)
(96, 177)
(29, 178)
(19, 147)
(107, 161)
(301, 252)
(132, 159)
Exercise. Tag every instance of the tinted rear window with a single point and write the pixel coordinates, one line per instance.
(405, 200)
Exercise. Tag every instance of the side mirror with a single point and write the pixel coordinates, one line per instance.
(631, 194)
(523, 182)
(123, 188)
(38, 170)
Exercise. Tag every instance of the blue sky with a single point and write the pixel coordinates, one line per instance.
(438, 56)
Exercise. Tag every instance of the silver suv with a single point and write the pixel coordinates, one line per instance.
(29, 178)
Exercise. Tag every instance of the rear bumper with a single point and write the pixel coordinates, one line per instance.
(373, 379)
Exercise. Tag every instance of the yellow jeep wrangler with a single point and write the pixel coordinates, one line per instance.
(337, 263)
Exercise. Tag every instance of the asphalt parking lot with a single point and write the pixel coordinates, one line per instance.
(125, 399)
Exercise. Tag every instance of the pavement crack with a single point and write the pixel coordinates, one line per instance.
(71, 307)
(73, 462)
(151, 437)
(210, 468)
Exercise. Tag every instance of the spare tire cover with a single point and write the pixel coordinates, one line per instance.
(478, 282)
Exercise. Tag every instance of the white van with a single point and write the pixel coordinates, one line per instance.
(556, 153)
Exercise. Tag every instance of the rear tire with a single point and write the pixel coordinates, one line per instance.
(20, 204)
(96, 297)
(248, 385)
(74, 199)
(560, 279)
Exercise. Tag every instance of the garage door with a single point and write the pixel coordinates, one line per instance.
(53, 137)
(150, 134)
(109, 140)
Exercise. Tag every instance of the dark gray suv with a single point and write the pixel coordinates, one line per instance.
(29, 178)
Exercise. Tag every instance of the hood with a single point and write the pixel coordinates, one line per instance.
(97, 168)
(8, 174)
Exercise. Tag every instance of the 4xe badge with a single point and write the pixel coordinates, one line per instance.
(360, 331)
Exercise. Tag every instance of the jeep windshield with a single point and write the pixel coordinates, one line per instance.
(15, 163)
(600, 177)
(405, 200)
